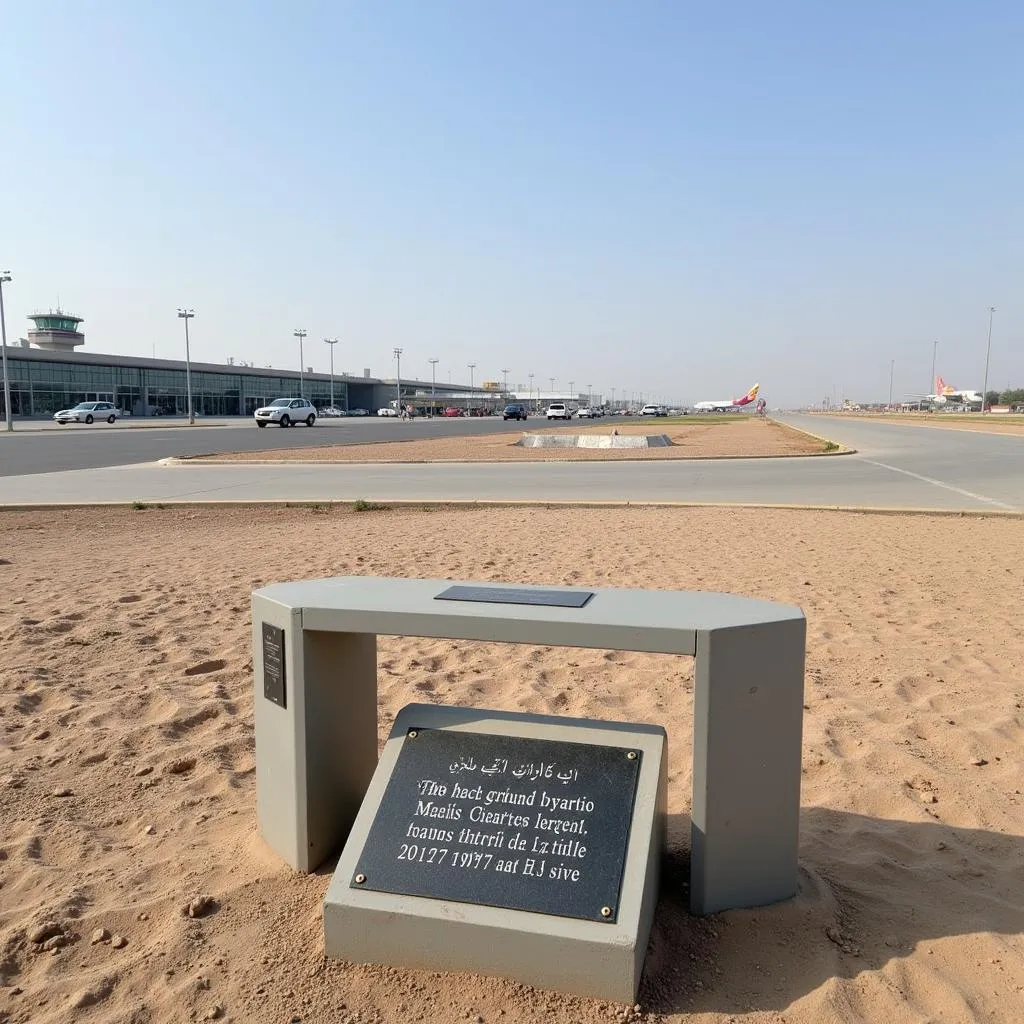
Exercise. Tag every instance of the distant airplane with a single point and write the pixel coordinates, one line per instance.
(946, 394)
(729, 404)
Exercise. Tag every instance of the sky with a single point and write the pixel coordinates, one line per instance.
(673, 198)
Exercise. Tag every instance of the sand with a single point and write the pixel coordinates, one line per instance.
(126, 760)
(744, 437)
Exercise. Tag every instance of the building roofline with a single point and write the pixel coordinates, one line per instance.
(147, 363)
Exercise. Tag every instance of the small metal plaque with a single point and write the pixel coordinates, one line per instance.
(504, 821)
(510, 595)
(273, 664)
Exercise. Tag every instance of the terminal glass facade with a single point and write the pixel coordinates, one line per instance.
(41, 388)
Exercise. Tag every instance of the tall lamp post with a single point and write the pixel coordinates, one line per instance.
(5, 276)
(472, 367)
(572, 397)
(300, 334)
(988, 352)
(332, 342)
(892, 366)
(935, 352)
(186, 315)
(433, 384)
(398, 380)
(613, 399)
(551, 380)
(530, 375)
(505, 375)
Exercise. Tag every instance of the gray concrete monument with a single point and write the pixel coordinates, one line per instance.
(315, 677)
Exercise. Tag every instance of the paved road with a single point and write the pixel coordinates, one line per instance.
(897, 467)
(49, 448)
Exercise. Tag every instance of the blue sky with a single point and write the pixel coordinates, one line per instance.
(674, 198)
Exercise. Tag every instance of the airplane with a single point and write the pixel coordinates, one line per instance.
(946, 394)
(728, 404)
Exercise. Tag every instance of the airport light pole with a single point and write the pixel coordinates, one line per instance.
(892, 367)
(186, 315)
(935, 352)
(5, 276)
(530, 375)
(398, 380)
(433, 380)
(472, 367)
(552, 380)
(988, 352)
(572, 397)
(613, 399)
(590, 396)
(505, 375)
(332, 342)
(300, 334)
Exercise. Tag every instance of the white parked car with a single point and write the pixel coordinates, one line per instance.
(285, 412)
(559, 411)
(87, 412)
(331, 410)
(387, 411)
(584, 413)
(650, 410)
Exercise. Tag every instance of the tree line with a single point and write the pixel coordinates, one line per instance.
(1011, 397)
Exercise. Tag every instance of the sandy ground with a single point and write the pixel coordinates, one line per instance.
(127, 788)
(997, 424)
(746, 437)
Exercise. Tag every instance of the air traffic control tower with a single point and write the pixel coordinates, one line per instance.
(55, 331)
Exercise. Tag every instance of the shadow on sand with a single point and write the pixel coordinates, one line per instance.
(870, 892)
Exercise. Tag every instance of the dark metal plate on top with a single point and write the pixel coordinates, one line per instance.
(511, 595)
(504, 821)
(273, 664)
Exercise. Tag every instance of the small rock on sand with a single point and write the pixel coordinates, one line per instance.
(199, 907)
(99, 935)
(119, 942)
(978, 762)
(62, 791)
(44, 931)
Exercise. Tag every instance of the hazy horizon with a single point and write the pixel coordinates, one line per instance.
(664, 198)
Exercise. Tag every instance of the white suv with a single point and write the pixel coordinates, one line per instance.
(650, 410)
(286, 411)
(559, 411)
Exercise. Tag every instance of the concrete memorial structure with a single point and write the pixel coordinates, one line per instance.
(397, 898)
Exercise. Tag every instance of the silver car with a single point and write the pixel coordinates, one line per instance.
(285, 412)
(87, 412)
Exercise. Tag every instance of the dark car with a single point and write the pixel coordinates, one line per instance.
(514, 412)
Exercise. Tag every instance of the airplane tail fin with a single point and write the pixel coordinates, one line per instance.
(748, 397)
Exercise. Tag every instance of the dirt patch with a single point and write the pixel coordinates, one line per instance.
(1012, 425)
(746, 437)
(162, 903)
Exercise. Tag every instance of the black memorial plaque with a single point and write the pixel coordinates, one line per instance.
(273, 664)
(504, 821)
(510, 595)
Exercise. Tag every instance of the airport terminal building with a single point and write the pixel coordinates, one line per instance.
(44, 381)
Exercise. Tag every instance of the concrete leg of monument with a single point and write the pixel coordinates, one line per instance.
(315, 756)
(747, 726)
